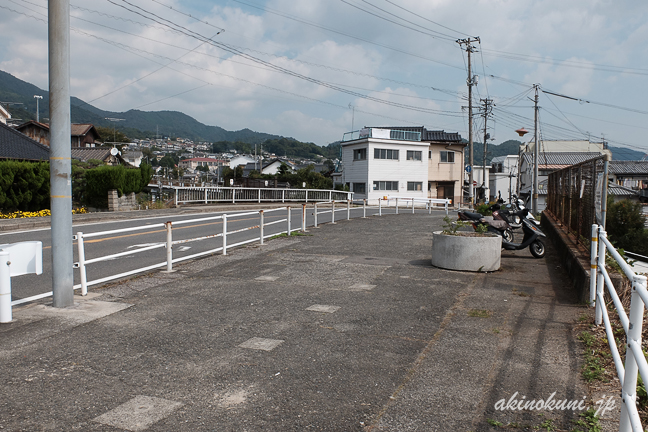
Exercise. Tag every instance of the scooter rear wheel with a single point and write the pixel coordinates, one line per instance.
(508, 235)
(537, 249)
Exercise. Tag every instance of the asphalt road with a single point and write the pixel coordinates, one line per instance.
(114, 243)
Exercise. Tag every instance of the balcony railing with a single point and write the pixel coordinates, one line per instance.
(394, 134)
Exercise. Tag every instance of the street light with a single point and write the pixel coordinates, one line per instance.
(114, 120)
(37, 97)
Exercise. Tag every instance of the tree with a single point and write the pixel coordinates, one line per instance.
(111, 135)
(624, 224)
(167, 161)
(203, 168)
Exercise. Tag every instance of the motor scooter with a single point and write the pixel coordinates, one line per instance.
(498, 225)
(532, 234)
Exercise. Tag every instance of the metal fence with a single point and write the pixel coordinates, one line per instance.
(632, 323)
(205, 195)
(571, 194)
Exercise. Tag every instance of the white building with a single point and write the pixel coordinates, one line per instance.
(4, 115)
(240, 160)
(403, 161)
(503, 177)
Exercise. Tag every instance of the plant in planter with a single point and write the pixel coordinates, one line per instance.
(467, 251)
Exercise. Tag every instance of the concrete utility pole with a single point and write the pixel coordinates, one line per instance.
(488, 107)
(535, 153)
(471, 81)
(60, 152)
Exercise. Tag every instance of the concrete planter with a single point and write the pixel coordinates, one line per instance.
(457, 252)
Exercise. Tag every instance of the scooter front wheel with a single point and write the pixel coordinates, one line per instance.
(537, 249)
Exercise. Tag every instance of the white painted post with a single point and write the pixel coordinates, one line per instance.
(396, 205)
(283, 195)
(224, 234)
(379, 206)
(430, 207)
(330, 195)
(446, 206)
(332, 212)
(176, 197)
(288, 231)
(635, 320)
(593, 267)
(600, 281)
(315, 214)
(306, 195)
(364, 208)
(303, 218)
(261, 226)
(412, 205)
(5, 288)
(259, 196)
(205, 195)
(169, 246)
(348, 209)
(82, 268)
(233, 195)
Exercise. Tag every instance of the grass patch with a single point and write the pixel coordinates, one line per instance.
(595, 356)
(588, 422)
(294, 234)
(480, 313)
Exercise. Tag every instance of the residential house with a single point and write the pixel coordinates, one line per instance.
(4, 115)
(403, 161)
(548, 162)
(272, 167)
(240, 160)
(481, 182)
(194, 163)
(575, 146)
(82, 135)
(503, 177)
(105, 154)
(15, 145)
(133, 157)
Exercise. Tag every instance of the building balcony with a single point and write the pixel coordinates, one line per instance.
(392, 134)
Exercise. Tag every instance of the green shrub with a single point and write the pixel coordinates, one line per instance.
(24, 186)
(624, 224)
(104, 178)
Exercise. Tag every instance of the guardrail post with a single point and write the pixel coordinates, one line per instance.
(332, 212)
(224, 234)
(315, 214)
(82, 268)
(261, 226)
(348, 209)
(412, 205)
(600, 281)
(205, 195)
(5, 288)
(303, 218)
(446, 206)
(169, 246)
(283, 195)
(364, 208)
(288, 218)
(379, 206)
(233, 196)
(396, 205)
(176, 197)
(593, 261)
(330, 195)
(259, 195)
(429, 204)
(306, 195)
(635, 320)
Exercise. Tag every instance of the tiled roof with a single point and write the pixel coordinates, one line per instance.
(86, 153)
(80, 129)
(560, 158)
(15, 145)
(618, 190)
(628, 167)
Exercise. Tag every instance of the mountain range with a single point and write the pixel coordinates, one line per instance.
(18, 97)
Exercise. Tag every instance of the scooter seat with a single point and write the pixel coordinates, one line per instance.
(473, 215)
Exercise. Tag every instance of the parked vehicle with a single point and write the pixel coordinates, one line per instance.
(497, 225)
(516, 205)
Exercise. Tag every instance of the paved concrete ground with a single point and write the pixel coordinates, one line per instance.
(348, 329)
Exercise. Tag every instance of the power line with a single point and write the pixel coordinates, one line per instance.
(426, 19)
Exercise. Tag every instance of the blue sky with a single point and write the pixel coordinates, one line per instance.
(341, 65)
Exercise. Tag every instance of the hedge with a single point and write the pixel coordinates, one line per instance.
(125, 180)
(24, 186)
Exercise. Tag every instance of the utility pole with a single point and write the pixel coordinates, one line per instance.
(535, 153)
(471, 81)
(488, 108)
(60, 152)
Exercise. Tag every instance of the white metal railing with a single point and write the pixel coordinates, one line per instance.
(207, 194)
(319, 208)
(635, 360)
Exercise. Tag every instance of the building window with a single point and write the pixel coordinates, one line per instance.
(385, 154)
(360, 188)
(414, 155)
(385, 185)
(430, 154)
(447, 156)
(360, 154)
(414, 186)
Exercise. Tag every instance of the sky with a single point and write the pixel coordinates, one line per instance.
(316, 69)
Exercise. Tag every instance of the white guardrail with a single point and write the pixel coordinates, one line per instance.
(207, 194)
(319, 208)
(635, 360)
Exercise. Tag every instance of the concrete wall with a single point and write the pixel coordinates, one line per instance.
(123, 203)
